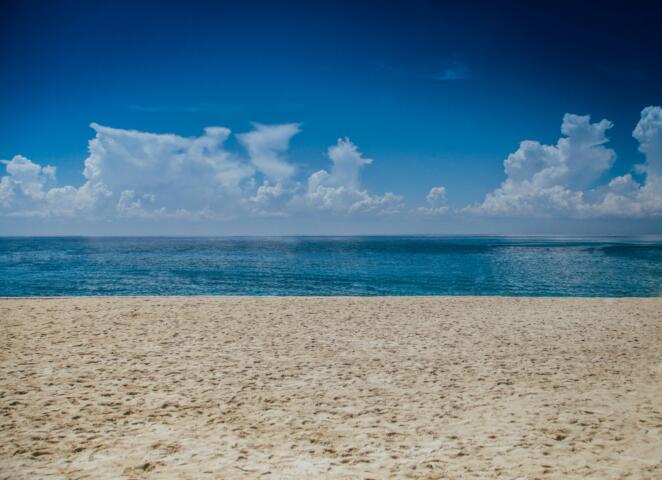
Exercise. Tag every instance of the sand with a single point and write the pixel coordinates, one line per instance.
(288, 388)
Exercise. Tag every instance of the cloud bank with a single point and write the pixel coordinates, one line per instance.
(141, 175)
(158, 176)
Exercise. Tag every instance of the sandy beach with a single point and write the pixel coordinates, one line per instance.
(282, 388)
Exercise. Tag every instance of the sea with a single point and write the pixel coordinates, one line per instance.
(357, 266)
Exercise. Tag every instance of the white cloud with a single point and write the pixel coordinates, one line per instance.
(340, 190)
(436, 199)
(649, 134)
(26, 191)
(646, 199)
(347, 163)
(272, 200)
(559, 180)
(576, 160)
(140, 175)
(166, 174)
(623, 185)
(134, 174)
(25, 178)
(266, 145)
(436, 196)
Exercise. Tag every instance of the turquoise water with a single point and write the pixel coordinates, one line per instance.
(510, 266)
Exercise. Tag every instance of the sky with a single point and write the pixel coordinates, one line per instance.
(236, 118)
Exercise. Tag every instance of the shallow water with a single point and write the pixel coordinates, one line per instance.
(510, 266)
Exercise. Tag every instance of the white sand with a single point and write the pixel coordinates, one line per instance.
(331, 388)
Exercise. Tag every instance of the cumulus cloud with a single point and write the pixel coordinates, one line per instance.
(625, 195)
(649, 134)
(273, 199)
(26, 191)
(544, 180)
(340, 190)
(266, 146)
(130, 173)
(166, 174)
(142, 175)
(24, 179)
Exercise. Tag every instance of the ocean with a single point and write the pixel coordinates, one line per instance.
(420, 265)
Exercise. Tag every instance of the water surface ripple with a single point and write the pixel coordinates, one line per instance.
(510, 266)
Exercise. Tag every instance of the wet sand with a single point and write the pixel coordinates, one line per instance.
(298, 388)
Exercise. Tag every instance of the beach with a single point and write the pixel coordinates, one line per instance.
(330, 387)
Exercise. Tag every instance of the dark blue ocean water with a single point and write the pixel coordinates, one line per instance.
(331, 266)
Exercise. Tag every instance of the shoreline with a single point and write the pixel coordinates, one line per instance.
(330, 387)
(314, 297)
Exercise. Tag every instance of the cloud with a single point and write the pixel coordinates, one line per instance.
(560, 180)
(153, 176)
(436, 195)
(266, 145)
(436, 199)
(135, 174)
(347, 163)
(26, 191)
(272, 200)
(340, 190)
(576, 160)
(24, 179)
(649, 134)
(131, 173)
(166, 174)
(627, 196)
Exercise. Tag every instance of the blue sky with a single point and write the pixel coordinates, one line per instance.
(436, 95)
